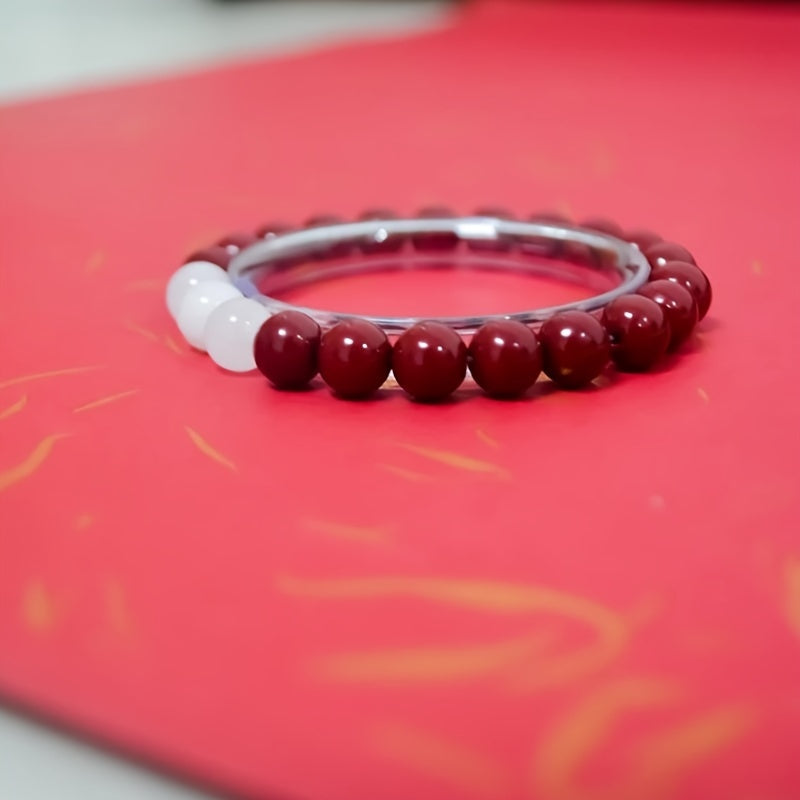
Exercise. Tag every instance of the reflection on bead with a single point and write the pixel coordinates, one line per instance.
(504, 358)
(354, 358)
(638, 331)
(678, 305)
(216, 255)
(269, 230)
(659, 253)
(197, 305)
(690, 277)
(575, 348)
(230, 332)
(190, 275)
(286, 349)
(429, 361)
(382, 242)
(234, 242)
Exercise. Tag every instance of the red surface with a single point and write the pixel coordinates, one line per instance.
(590, 595)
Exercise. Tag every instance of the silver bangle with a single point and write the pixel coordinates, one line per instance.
(256, 264)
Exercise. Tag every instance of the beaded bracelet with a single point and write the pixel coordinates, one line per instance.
(653, 294)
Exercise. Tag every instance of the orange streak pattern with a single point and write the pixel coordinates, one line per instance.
(425, 664)
(15, 408)
(95, 261)
(104, 401)
(667, 757)
(486, 439)
(449, 763)
(38, 608)
(37, 376)
(791, 580)
(206, 449)
(493, 597)
(173, 345)
(457, 460)
(584, 729)
(148, 334)
(33, 461)
(407, 474)
(369, 534)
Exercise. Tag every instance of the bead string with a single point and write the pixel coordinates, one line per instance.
(660, 296)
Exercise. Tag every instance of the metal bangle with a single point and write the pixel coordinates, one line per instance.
(258, 260)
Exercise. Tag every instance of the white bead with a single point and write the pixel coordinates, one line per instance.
(198, 303)
(190, 275)
(230, 333)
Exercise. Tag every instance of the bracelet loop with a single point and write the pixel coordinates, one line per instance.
(267, 256)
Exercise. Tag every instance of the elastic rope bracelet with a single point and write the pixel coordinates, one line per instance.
(651, 295)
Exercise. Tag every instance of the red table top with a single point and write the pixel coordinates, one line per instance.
(580, 595)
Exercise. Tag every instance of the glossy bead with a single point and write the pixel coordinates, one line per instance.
(689, 276)
(678, 305)
(602, 225)
(429, 361)
(659, 253)
(642, 238)
(286, 349)
(269, 230)
(230, 332)
(197, 305)
(234, 242)
(215, 254)
(556, 217)
(638, 330)
(190, 275)
(444, 240)
(498, 212)
(381, 242)
(335, 249)
(575, 348)
(354, 358)
(504, 358)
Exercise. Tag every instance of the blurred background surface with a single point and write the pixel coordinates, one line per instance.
(53, 45)
(49, 46)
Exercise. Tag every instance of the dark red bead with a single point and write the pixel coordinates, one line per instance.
(286, 349)
(335, 249)
(444, 240)
(354, 358)
(391, 244)
(575, 348)
(234, 242)
(429, 361)
(638, 331)
(269, 230)
(504, 358)
(659, 253)
(215, 254)
(643, 238)
(689, 276)
(491, 245)
(556, 217)
(498, 212)
(678, 305)
(602, 225)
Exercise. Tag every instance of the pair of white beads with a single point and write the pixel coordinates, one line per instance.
(214, 316)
